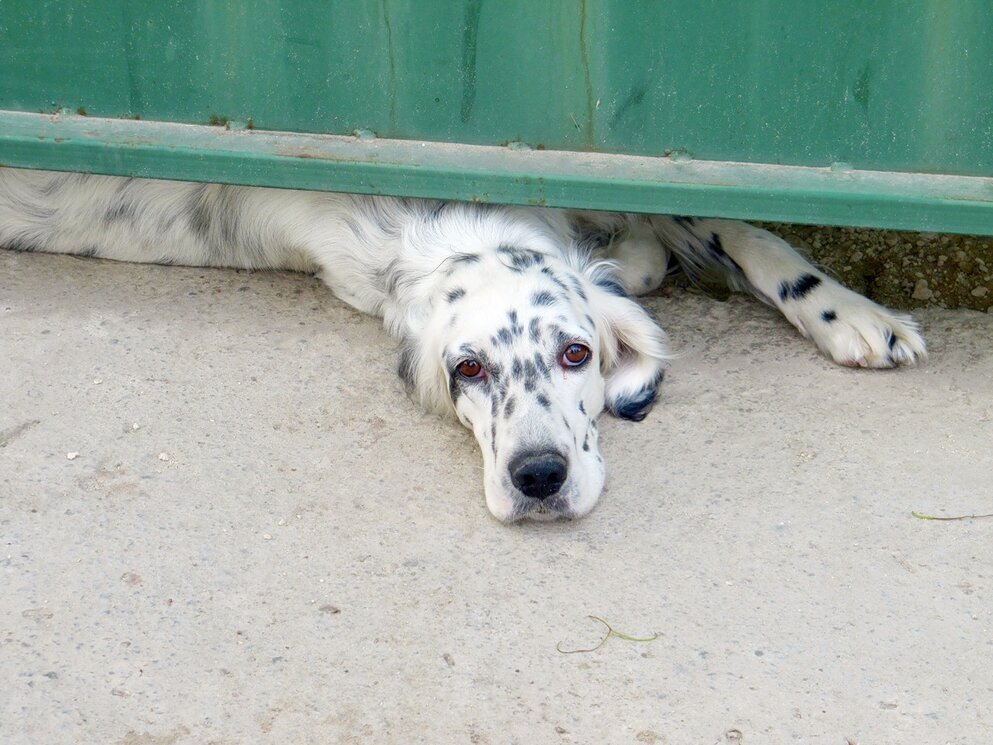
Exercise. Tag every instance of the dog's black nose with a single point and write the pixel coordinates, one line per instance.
(538, 475)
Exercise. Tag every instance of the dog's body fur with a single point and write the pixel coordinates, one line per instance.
(520, 292)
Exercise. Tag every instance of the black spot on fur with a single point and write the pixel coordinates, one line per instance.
(58, 182)
(715, 246)
(521, 258)
(542, 366)
(542, 298)
(562, 339)
(636, 407)
(122, 208)
(465, 258)
(454, 389)
(515, 327)
(215, 213)
(578, 287)
(804, 285)
(828, 316)
(594, 237)
(455, 294)
(407, 366)
(198, 212)
(517, 368)
(612, 286)
(685, 222)
(534, 330)
(504, 335)
(555, 278)
(582, 409)
(501, 388)
(358, 229)
(508, 408)
(671, 264)
(123, 211)
(492, 368)
(530, 375)
(586, 443)
(543, 401)
(716, 249)
(390, 277)
(890, 340)
(20, 245)
(799, 289)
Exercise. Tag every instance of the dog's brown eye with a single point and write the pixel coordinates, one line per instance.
(575, 355)
(469, 369)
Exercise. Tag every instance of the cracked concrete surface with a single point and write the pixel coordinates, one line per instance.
(260, 539)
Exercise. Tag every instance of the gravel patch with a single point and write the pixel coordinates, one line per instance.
(902, 270)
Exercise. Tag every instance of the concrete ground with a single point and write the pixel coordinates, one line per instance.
(223, 522)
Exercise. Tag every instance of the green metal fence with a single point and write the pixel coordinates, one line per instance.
(850, 112)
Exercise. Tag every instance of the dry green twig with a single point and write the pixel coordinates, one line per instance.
(610, 632)
(922, 516)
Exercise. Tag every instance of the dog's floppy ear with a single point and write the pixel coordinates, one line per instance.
(423, 376)
(633, 348)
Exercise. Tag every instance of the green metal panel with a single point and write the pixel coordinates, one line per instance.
(900, 86)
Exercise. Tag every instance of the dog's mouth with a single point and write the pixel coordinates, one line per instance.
(542, 510)
(541, 513)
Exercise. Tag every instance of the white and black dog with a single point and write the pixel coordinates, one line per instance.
(517, 320)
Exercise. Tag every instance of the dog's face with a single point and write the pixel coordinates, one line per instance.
(529, 350)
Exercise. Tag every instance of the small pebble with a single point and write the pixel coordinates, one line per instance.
(72, 456)
(135, 426)
(163, 456)
(980, 291)
(922, 291)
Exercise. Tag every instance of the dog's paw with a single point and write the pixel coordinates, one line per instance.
(856, 332)
(642, 262)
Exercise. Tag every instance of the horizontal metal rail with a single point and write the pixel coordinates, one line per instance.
(368, 165)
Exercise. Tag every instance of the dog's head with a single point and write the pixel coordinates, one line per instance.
(528, 344)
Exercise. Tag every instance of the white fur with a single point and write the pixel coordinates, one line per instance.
(512, 287)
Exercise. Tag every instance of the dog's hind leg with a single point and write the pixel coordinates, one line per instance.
(849, 328)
